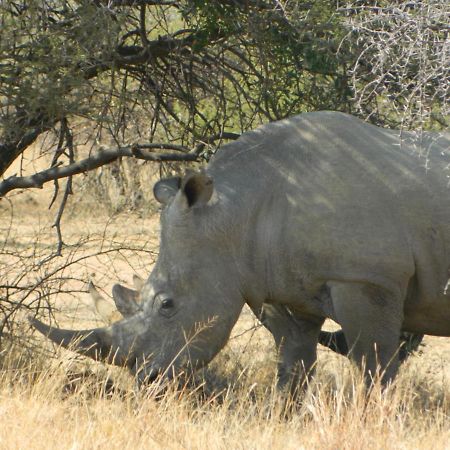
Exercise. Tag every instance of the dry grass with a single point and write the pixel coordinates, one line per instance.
(231, 404)
(222, 408)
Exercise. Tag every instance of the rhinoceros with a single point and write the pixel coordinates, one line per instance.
(318, 216)
(128, 301)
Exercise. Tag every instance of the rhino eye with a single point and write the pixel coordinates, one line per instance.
(167, 303)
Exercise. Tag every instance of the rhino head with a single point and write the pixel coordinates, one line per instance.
(188, 305)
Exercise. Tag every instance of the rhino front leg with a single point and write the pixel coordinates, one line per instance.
(371, 318)
(296, 340)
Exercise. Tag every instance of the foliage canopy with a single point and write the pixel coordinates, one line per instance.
(186, 72)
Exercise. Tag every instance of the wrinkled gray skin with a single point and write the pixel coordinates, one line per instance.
(319, 216)
(127, 303)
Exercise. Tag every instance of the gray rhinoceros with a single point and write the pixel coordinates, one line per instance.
(127, 303)
(318, 216)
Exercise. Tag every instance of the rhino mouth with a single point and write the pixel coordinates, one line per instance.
(152, 376)
(147, 375)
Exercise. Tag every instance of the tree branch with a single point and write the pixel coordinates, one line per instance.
(103, 157)
(9, 151)
(126, 56)
(100, 159)
(114, 3)
(209, 140)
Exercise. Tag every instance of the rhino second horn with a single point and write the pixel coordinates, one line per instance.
(138, 282)
(102, 307)
(95, 343)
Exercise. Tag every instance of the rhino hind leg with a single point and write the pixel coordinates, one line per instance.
(371, 319)
(296, 340)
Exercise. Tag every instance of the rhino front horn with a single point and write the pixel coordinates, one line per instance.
(95, 343)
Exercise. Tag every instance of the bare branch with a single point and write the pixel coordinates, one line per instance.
(103, 157)
(68, 189)
(100, 159)
(142, 29)
(114, 3)
(10, 150)
(404, 62)
(209, 140)
(162, 146)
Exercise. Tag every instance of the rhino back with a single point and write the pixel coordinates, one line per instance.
(326, 196)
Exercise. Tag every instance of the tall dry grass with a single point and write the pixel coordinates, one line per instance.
(54, 400)
(232, 404)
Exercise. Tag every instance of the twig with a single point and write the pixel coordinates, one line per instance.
(223, 135)
(58, 152)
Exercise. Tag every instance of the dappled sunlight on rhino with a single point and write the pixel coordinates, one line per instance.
(314, 217)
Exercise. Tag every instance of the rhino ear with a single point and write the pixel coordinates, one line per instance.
(165, 190)
(126, 300)
(197, 188)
